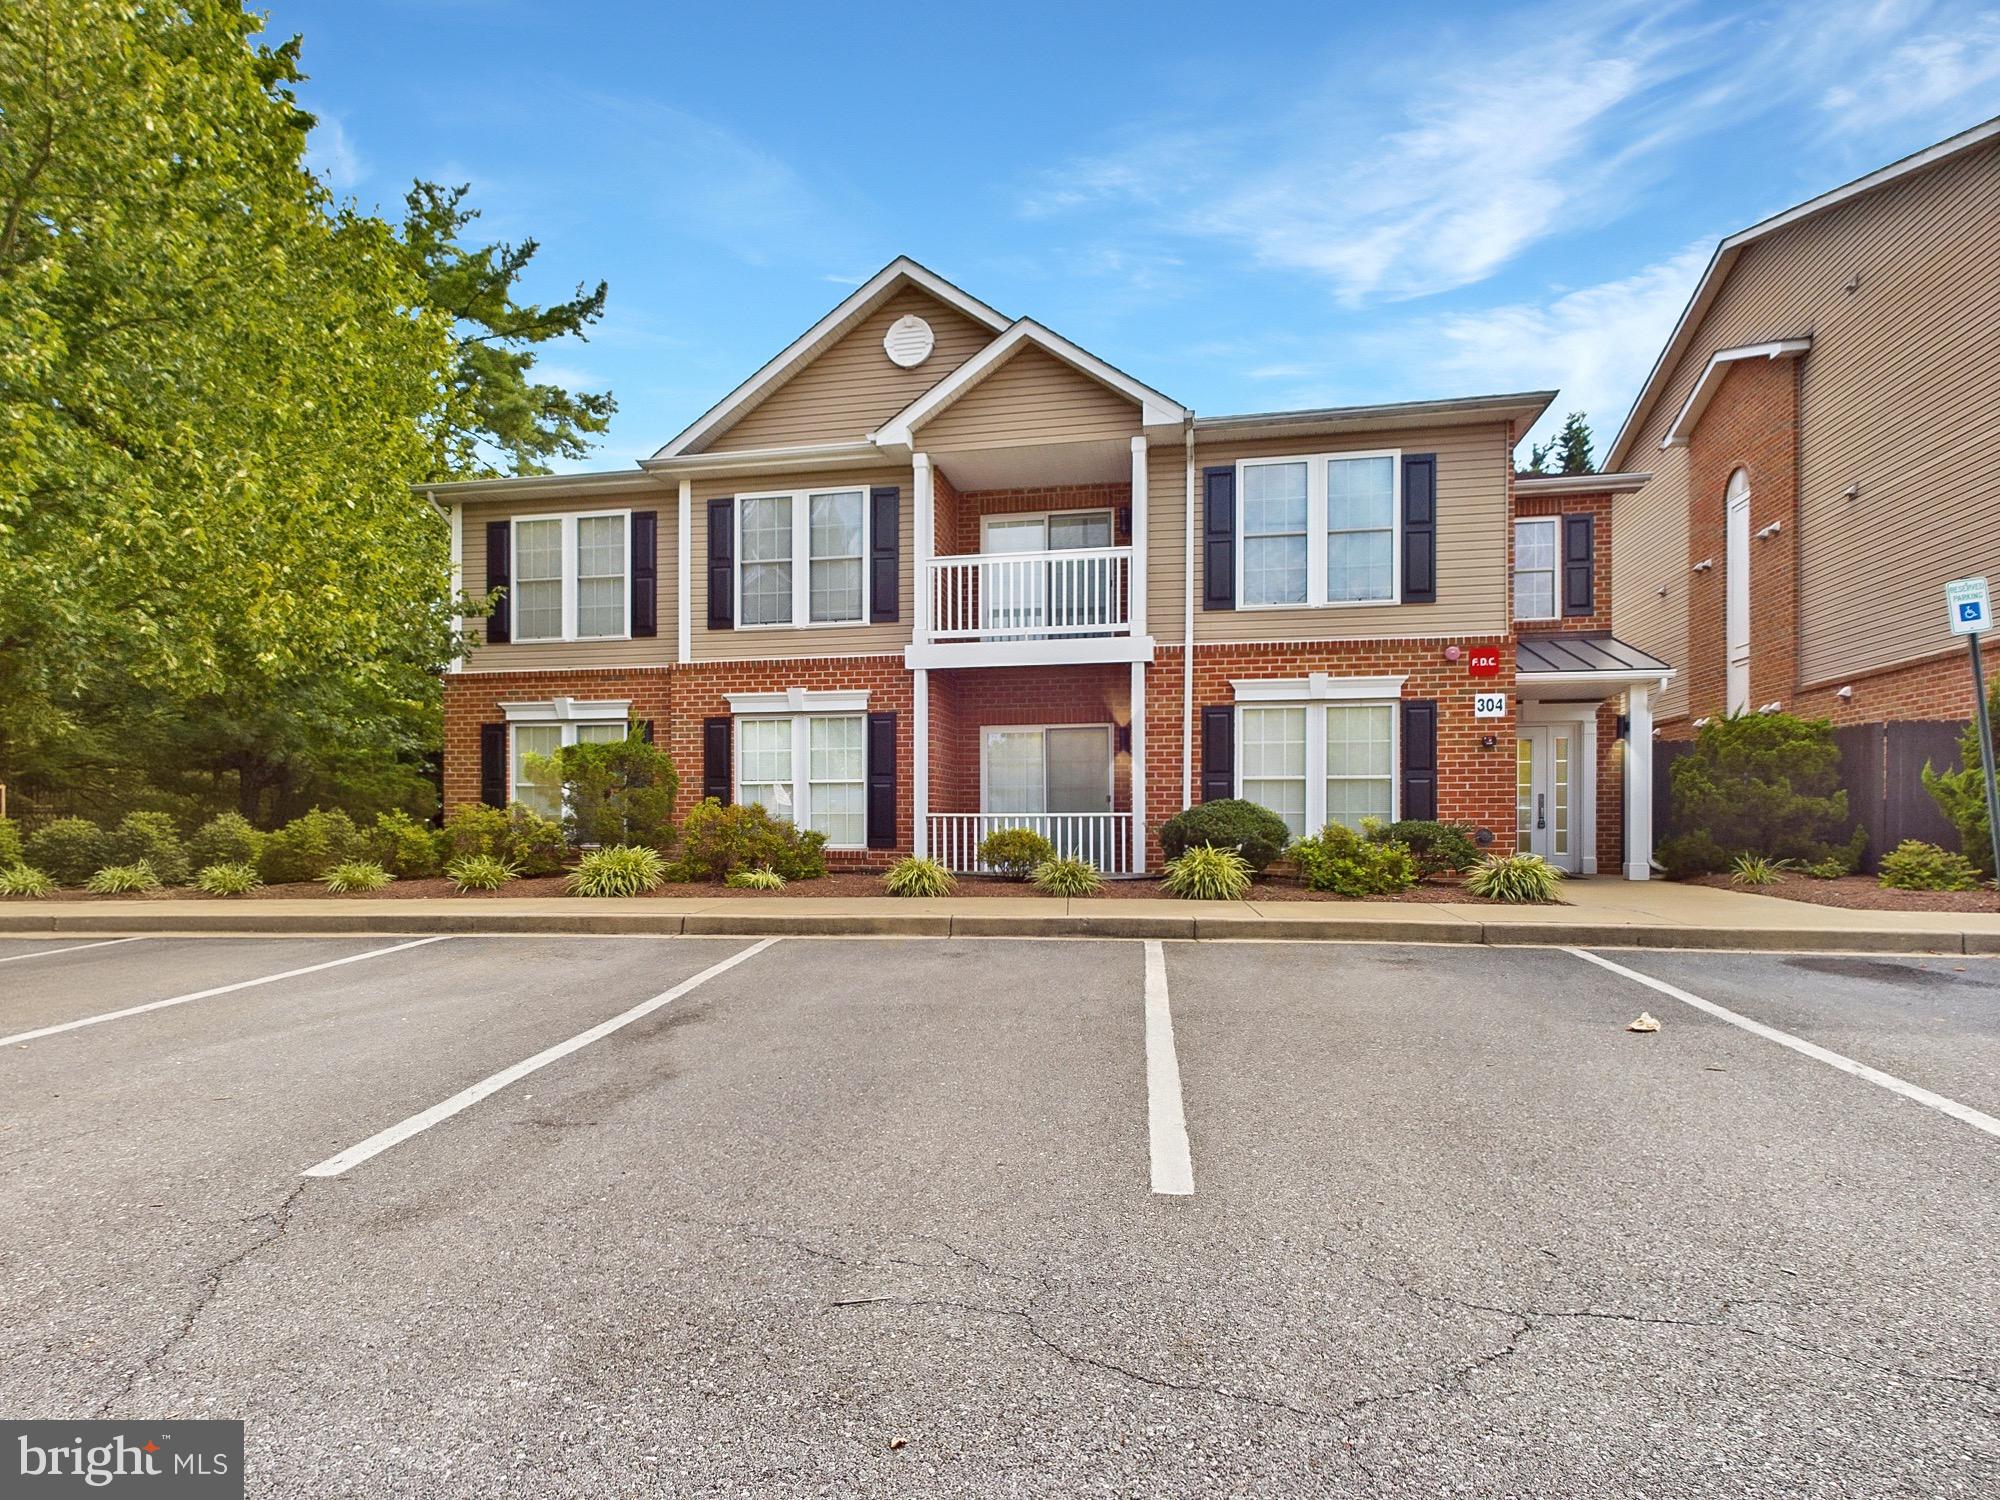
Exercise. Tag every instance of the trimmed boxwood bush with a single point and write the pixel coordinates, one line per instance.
(1436, 848)
(403, 846)
(1342, 861)
(149, 838)
(1765, 784)
(308, 846)
(617, 792)
(68, 851)
(225, 839)
(1914, 865)
(10, 843)
(717, 841)
(519, 835)
(1014, 852)
(1256, 833)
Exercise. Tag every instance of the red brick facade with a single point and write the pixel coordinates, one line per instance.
(1598, 508)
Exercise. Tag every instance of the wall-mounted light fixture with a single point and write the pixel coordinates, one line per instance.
(1772, 707)
(1845, 694)
(1766, 533)
(1702, 722)
(1704, 565)
(1853, 491)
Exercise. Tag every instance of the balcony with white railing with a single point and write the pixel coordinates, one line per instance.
(1078, 593)
(1104, 839)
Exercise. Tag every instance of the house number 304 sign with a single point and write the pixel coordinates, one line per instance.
(1489, 705)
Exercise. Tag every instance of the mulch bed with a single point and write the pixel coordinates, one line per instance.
(1273, 887)
(1861, 893)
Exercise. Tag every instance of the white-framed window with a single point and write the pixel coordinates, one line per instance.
(828, 530)
(1320, 529)
(1324, 756)
(570, 577)
(808, 769)
(531, 738)
(1535, 560)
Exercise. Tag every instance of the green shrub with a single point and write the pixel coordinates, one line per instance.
(356, 877)
(1765, 784)
(67, 850)
(717, 841)
(149, 838)
(519, 835)
(918, 877)
(1827, 869)
(238, 879)
(308, 846)
(616, 792)
(225, 839)
(1961, 794)
(1914, 865)
(620, 870)
(1344, 862)
(1437, 848)
(121, 880)
(24, 880)
(403, 846)
(1208, 872)
(1754, 869)
(480, 872)
(755, 880)
(1519, 878)
(1015, 852)
(1067, 877)
(10, 843)
(1256, 833)
(473, 828)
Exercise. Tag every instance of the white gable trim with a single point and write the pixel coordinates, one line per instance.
(567, 710)
(900, 272)
(1711, 380)
(1156, 410)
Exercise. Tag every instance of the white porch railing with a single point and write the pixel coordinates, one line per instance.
(1105, 839)
(1031, 595)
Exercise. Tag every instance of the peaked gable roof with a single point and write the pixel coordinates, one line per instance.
(871, 294)
(1731, 250)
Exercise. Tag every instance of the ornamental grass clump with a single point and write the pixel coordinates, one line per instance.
(1754, 869)
(123, 880)
(1067, 877)
(620, 870)
(918, 877)
(227, 879)
(356, 877)
(755, 880)
(480, 872)
(25, 880)
(1521, 879)
(1203, 872)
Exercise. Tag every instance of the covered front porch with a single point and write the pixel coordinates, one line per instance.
(1584, 752)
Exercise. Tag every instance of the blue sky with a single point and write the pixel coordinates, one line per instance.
(1249, 206)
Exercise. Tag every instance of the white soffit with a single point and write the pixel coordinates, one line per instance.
(1711, 380)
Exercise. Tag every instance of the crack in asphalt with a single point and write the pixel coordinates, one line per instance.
(277, 1218)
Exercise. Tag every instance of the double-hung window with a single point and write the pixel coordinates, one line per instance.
(1535, 568)
(1317, 762)
(571, 577)
(804, 557)
(1319, 530)
(534, 740)
(808, 769)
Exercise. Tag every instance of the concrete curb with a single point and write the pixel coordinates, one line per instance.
(248, 921)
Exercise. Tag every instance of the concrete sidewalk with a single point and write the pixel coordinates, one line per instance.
(1599, 912)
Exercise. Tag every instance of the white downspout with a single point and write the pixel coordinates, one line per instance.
(1187, 629)
(684, 577)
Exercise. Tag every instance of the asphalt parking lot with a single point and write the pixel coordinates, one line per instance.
(534, 1216)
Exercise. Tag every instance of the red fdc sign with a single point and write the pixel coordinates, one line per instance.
(1484, 661)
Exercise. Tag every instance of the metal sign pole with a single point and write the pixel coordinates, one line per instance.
(1986, 754)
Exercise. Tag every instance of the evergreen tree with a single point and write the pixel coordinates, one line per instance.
(1571, 449)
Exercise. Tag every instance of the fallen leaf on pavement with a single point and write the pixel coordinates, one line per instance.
(1646, 1022)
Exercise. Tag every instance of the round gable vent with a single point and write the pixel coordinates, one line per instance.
(909, 341)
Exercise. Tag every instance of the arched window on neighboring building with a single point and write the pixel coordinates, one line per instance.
(1736, 589)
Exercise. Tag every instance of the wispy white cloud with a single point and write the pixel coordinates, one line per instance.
(331, 156)
(1921, 75)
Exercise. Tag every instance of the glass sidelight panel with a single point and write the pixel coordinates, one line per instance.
(1524, 795)
(1559, 770)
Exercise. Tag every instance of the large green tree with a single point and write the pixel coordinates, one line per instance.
(216, 387)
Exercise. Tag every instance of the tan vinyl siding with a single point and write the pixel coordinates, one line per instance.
(1031, 398)
(1900, 395)
(1472, 469)
(768, 641)
(642, 651)
(851, 387)
(1649, 603)
(1166, 542)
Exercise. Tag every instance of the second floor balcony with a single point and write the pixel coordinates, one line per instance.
(1031, 596)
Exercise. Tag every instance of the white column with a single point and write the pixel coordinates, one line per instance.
(926, 538)
(457, 575)
(1138, 759)
(1587, 780)
(684, 577)
(920, 761)
(1139, 534)
(1638, 784)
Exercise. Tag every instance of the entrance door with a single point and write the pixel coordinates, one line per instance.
(1031, 597)
(1545, 800)
(1736, 592)
(1014, 596)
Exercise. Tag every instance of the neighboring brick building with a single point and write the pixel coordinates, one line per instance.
(933, 571)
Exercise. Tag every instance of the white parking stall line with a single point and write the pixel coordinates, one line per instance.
(15, 958)
(382, 1140)
(1964, 1113)
(1166, 1117)
(220, 989)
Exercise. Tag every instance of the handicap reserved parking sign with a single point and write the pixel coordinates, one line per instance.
(1968, 605)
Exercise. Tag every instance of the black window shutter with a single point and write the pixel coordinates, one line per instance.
(645, 572)
(1218, 753)
(493, 764)
(882, 780)
(722, 563)
(1579, 560)
(499, 553)
(1420, 542)
(885, 540)
(716, 780)
(1218, 539)
(1420, 758)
